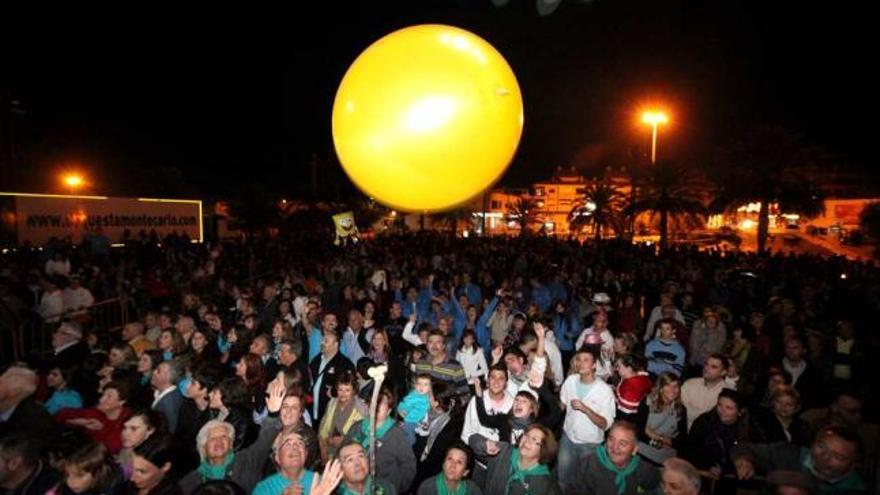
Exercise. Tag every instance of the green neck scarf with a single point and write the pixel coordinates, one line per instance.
(519, 474)
(442, 489)
(381, 430)
(368, 489)
(620, 474)
(211, 472)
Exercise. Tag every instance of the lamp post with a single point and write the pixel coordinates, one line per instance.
(654, 119)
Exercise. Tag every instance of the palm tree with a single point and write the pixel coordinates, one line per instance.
(601, 206)
(770, 165)
(523, 213)
(671, 189)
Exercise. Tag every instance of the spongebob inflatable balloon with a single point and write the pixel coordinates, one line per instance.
(346, 229)
(427, 118)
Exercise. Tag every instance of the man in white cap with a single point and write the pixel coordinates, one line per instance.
(599, 303)
(598, 333)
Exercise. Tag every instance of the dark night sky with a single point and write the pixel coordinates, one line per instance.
(236, 96)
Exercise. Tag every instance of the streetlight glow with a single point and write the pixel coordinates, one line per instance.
(654, 118)
(73, 180)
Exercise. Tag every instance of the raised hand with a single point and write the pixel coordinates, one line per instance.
(497, 353)
(274, 396)
(536, 378)
(540, 329)
(330, 479)
(93, 424)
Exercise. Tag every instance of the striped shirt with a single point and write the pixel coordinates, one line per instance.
(448, 371)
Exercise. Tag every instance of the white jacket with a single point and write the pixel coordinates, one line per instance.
(577, 426)
(77, 298)
(554, 355)
(474, 363)
(472, 423)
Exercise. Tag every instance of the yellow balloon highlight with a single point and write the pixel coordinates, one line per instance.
(427, 117)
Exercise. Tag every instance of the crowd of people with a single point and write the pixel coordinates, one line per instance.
(498, 366)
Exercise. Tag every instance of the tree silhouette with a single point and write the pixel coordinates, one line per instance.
(770, 165)
(522, 211)
(601, 206)
(671, 189)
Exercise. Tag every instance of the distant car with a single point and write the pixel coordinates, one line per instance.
(818, 231)
(792, 226)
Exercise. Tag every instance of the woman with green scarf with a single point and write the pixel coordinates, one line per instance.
(616, 468)
(524, 470)
(220, 462)
(395, 461)
(451, 481)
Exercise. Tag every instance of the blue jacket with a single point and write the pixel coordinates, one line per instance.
(541, 297)
(566, 328)
(315, 337)
(474, 293)
(460, 319)
(482, 331)
(414, 407)
(665, 356)
(421, 305)
(63, 399)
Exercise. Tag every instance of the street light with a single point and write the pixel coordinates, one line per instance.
(654, 118)
(74, 181)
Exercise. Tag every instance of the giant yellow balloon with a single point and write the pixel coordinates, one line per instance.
(427, 117)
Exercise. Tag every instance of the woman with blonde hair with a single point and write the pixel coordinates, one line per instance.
(667, 420)
(780, 423)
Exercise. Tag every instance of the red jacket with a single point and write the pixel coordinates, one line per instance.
(632, 391)
(111, 433)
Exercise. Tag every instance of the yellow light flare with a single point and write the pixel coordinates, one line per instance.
(73, 180)
(655, 117)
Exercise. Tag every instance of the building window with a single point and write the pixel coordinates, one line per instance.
(495, 205)
(551, 191)
(539, 191)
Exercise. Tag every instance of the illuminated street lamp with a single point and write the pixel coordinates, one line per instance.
(654, 119)
(73, 181)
